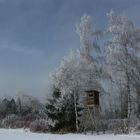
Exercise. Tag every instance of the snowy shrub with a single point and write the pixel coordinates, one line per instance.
(13, 121)
(40, 125)
(134, 126)
(0, 123)
(19, 124)
(9, 121)
(118, 126)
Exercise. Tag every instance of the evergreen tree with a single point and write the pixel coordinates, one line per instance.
(53, 110)
(8, 107)
(61, 110)
(13, 107)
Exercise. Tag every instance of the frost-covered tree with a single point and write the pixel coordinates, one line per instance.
(90, 50)
(123, 54)
(79, 71)
(53, 111)
(29, 107)
(67, 79)
(92, 57)
(85, 31)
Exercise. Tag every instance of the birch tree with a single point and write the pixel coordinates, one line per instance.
(124, 49)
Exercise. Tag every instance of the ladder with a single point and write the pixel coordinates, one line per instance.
(90, 119)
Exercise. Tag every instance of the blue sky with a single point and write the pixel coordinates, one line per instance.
(36, 34)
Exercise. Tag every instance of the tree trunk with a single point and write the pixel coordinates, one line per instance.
(129, 104)
(76, 114)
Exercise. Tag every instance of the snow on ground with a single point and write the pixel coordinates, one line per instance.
(20, 134)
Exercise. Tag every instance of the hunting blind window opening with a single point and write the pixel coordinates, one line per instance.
(92, 98)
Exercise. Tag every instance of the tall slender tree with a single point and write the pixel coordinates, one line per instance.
(123, 48)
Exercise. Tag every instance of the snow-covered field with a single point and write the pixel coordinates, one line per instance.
(19, 134)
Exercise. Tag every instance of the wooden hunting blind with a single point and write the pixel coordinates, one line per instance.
(92, 98)
(91, 113)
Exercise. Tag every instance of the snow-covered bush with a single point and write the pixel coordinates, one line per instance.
(14, 121)
(40, 125)
(137, 128)
(134, 125)
(117, 126)
(9, 121)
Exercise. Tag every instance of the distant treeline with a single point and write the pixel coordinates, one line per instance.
(24, 112)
